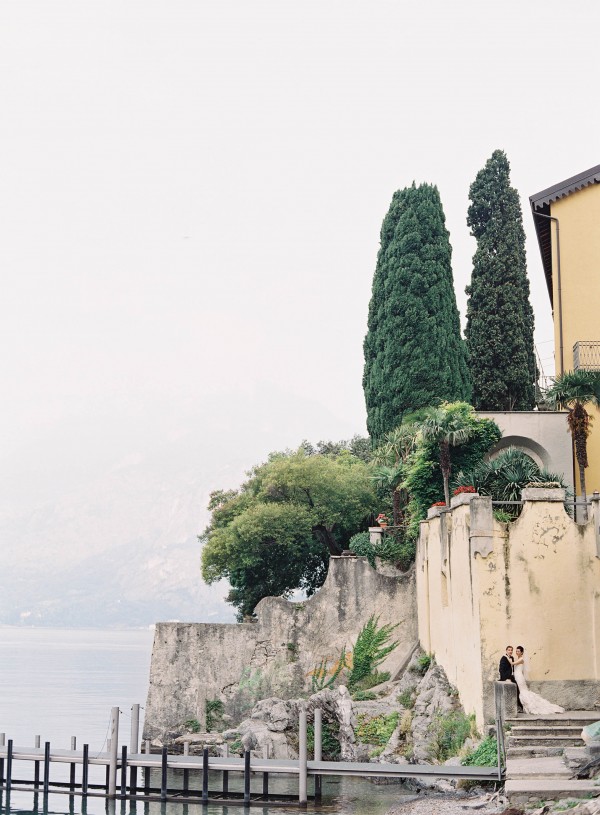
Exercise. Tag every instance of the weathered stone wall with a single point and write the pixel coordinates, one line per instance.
(482, 585)
(240, 664)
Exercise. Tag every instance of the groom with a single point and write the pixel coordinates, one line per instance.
(506, 672)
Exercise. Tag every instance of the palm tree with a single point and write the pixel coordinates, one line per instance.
(390, 465)
(448, 426)
(574, 390)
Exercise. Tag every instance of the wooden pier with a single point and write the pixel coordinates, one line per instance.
(129, 776)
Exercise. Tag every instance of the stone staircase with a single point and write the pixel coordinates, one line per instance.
(536, 766)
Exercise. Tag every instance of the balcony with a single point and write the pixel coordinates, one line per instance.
(586, 355)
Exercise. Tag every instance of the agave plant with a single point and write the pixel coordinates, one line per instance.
(504, 476)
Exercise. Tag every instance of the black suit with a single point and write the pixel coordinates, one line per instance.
(506, 672)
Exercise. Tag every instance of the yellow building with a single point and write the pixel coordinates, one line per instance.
(567, 221)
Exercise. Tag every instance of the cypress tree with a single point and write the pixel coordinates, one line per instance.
(414, 353)
(499, 330)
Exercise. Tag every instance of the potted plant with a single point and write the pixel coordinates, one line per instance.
(382, 520)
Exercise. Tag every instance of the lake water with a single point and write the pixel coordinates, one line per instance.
(59, 683)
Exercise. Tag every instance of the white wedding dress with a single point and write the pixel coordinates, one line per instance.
(532, 702)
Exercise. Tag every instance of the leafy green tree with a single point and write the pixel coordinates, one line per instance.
(414, 353)
(499, 331)
(447, 426)
(390, 460)
(424, 481)
(574, 390)
(277, 532)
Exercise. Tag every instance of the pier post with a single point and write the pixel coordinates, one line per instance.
(124, 770)
(302, 759)
(46, 767)
(2, 738)
(163, 775)
(72, 767)
(205, 775)
(85, 768)
(114, 750)
(147, 770)
(318, 749)
(9, 757)
(134, 745)
(225, 772)
(186, 773)
(247, 777)
(36, 766)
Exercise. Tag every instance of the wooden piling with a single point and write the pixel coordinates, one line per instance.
(72, 767)
(205, 775)
(186, 773)
(134, 744)
(46, 767)
(85, 769)
(36, 766)
(247, 777)
(302, 759)
(9, 756)
(114, 749)
(124, 770)
(147, 770)
(163, 775)
(2, 742)
(318, 727)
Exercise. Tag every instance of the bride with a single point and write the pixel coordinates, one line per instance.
(532, 703)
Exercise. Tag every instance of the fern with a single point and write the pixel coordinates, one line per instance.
(370, 649)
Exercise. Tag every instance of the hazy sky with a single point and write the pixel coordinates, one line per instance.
(191, 195)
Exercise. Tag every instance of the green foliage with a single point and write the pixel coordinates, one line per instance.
(361, 545)
(414, 353)
(424, 480)
(323, 676)
(484, 755)
(504, 476)
(394, 548)
(364, 696)
(502, 516)
(448, 733)
(374, 679)
(499, 330)
(330, 741)
(370, 650)
(214, 710)
(193, 725)
(276, 533)
(376, 730)
(424, 663)
(407, 698)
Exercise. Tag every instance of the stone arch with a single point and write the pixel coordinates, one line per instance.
(528, 446)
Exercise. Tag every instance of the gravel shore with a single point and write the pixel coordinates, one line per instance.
(487, 805)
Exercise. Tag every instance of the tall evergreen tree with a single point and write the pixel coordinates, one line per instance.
(499, 329)
(414, 353)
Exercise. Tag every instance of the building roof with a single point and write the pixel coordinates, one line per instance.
(540, 206)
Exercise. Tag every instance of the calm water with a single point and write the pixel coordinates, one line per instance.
(59, 683)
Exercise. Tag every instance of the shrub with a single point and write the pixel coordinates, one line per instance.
(423, 664)
(406, 722)
(214, 710)
(370, 650)
(377, 730)
(193, 725)
(484, 755)
(448, 734)
(364, 696)
(361, 545)
(322, 676)
(374, 679)
(407, 698)
(330, 743)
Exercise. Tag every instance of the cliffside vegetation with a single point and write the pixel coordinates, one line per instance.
(276, 533)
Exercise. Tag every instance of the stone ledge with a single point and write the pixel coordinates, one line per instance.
(543, 494)
(462, 498)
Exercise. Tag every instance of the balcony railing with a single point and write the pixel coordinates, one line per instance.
(586, 355)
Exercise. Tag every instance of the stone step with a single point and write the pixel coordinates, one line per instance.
(577, 718)
(524, 791)
(539, 767)
(536, 730)
(543, 741)
(534, 752)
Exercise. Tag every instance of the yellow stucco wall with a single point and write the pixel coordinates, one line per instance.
(579, 225)
(536, 585)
